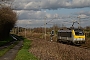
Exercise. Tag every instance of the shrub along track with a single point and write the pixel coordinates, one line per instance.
(46, 50)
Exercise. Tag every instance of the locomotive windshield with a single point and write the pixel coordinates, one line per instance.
(79, 32)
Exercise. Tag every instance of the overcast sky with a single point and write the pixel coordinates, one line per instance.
(33, 13)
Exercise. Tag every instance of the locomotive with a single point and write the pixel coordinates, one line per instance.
(75, 36)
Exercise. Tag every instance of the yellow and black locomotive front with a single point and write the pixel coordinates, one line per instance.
(78, 36)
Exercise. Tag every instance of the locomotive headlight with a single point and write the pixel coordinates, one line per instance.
(79, 39)
(83, 38)
(75, 38)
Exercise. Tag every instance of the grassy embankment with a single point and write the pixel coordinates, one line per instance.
(5, 49)
(23, 54)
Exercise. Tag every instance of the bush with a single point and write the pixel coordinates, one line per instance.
(8, 19)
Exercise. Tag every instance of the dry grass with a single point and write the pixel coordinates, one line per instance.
(87, 44)
(47, 50)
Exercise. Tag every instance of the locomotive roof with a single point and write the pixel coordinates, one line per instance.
(69, 30)
(64, 30)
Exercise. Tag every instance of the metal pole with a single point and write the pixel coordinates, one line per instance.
(25, 30)
(79, 22)
(45, 27)
(30, 28)
(18, 30)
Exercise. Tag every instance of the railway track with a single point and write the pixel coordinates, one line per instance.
(71, 44)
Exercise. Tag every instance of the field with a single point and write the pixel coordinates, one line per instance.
(47, 50)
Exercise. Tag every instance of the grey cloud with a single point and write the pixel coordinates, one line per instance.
(35, 15)
(84, 14)
(50, 4)
(32, 9)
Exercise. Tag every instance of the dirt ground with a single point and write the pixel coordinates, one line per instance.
(47, 50)
(11, 54)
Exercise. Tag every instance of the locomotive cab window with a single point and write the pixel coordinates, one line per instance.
(79, 33)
